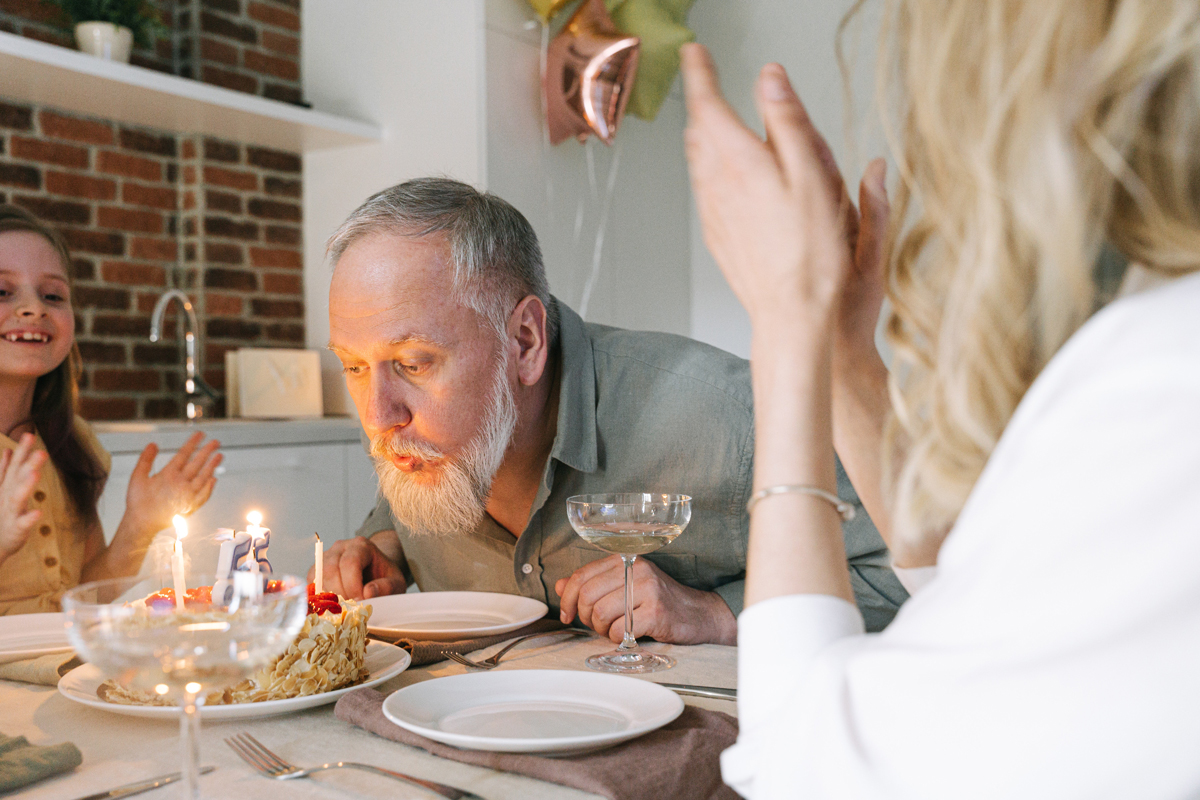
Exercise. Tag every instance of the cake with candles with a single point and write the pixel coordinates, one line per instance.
(328, 654)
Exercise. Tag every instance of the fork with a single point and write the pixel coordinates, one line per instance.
(494, 661)
(256, 755)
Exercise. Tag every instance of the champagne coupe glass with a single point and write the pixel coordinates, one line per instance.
(132, 630)
(629, 525)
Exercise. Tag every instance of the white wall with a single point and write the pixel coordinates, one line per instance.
(415, 68)
(743, 36)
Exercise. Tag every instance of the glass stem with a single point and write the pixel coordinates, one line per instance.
(628, 642)
(189, 740)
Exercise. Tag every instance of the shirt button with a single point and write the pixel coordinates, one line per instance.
(527, 568)
(51, 561)
(39, 495)
(44, 530)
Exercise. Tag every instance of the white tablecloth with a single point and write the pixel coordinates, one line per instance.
(119, 749)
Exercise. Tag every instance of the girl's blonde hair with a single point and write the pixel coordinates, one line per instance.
(1035, 135)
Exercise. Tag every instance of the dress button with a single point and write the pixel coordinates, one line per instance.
(44, 530)
(528, 568)
(51, 561)
(39, 495)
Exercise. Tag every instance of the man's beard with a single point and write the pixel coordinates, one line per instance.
(456, 500)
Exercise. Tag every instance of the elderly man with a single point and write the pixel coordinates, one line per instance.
(488, 403)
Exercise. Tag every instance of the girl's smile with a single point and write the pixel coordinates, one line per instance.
(37, 323)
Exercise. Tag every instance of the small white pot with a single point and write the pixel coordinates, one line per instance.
(104, 40)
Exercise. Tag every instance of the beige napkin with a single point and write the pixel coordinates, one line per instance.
(426, 652)
(45, 670)
(677, 762)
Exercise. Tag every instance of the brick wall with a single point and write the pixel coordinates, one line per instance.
(143, 210)
(250, 46)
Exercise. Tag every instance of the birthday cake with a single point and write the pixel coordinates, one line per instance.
(328, 654)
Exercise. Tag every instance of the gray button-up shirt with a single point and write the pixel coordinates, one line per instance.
(638, 412)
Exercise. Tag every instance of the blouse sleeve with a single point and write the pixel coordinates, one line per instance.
(1056, 652)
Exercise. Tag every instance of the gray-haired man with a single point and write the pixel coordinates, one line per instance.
(488, 403)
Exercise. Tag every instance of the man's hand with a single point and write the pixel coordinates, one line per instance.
(19, 472)
(663, 609)
(357, 569)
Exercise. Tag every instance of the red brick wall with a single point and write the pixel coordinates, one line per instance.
(250, 46)
(143, 210)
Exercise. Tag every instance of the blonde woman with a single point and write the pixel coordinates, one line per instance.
(1037, 466)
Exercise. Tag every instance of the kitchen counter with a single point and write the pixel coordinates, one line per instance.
(132, 436)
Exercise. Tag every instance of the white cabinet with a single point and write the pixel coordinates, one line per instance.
(305, 477)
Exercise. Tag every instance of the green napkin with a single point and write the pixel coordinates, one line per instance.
(22, 763)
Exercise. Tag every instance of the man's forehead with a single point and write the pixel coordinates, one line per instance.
(393, 288)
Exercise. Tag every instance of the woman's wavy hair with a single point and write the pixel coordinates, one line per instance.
(56, 394)
(1031, 138)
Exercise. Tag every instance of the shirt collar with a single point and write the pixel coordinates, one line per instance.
(575, 436)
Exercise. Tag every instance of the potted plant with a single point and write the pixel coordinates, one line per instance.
(108, 28)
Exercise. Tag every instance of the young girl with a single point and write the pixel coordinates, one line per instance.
(52, 468)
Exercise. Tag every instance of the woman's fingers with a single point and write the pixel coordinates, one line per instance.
(790, 133)
(195, 465)
(874, 210)
(145, 462)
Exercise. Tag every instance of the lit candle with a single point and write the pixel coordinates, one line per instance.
(255, 530)
(319, 557)
(177, 561)
(235, 546)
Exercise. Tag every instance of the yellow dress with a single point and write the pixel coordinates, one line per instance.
(34, 578)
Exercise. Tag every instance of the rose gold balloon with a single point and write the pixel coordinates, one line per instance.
(590, 67)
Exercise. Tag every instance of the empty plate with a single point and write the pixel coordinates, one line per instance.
(31, 635)
(557, 712)
(446, 616)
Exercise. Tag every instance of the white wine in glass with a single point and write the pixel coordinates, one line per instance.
(629, 525)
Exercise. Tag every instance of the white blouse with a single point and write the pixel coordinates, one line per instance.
(1056, 651)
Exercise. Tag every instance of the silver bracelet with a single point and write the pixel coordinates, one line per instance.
(844, 509)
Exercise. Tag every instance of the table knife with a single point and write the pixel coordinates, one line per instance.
(141, 786)
(702, 691)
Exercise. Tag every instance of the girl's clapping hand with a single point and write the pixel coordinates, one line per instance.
(19, 472)
(180, 487)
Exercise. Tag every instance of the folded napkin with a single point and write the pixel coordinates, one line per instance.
(22, 763)
(680, 761)
(45, 670)
(426, 652)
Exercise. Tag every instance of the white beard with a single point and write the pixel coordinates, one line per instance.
(455, 503)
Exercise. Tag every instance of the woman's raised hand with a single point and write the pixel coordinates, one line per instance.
(180, 487)
(776, 214)
(19, 472)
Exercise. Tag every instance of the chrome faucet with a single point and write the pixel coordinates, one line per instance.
(199, 394)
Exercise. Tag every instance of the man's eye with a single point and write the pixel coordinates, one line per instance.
(411, 369)
(352, 369)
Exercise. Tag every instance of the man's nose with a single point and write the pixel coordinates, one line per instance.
(387, 403)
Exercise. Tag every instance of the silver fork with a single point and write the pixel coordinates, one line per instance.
(256, 755)
(493, 661)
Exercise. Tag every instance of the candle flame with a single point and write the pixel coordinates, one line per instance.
(318, 536)
(254, 518)
(180, 526)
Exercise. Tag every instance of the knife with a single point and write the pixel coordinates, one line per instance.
(141, 786)
(715, 692)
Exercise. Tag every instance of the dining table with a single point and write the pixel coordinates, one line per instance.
(119, 749)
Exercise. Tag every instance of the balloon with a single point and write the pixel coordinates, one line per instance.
(546, 9)
(662, 27)
(590, 69)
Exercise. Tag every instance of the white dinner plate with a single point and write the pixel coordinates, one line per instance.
(32, 635)
(557, 712)
(383, 660)
(446, 616)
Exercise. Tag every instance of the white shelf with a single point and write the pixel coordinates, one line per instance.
(36, 72)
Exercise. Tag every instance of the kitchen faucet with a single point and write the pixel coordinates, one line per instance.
(199, 394)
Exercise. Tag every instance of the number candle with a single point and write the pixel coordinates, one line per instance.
(319, 558)
(177, 560)
(255, 530)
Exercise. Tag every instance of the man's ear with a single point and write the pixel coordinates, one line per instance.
(527, 330)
